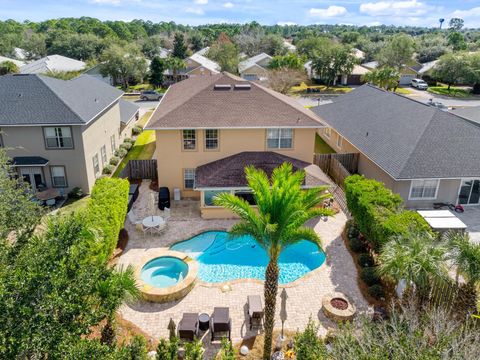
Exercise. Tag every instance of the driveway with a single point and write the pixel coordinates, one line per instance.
(424, 96)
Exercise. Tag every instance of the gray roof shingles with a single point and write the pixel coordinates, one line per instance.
(39, 100)
(406, 138)
(127, 110)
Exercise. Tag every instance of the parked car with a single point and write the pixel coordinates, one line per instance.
(419, 84)
(437, 104)
(150, 95)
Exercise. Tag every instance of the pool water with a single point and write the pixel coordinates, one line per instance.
(222, 259)
(164, 271)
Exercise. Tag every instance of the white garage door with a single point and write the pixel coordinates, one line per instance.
(406, 79)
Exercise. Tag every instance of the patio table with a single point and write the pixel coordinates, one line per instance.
(151, 222)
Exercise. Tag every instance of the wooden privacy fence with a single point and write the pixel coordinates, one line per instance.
(140, 170)
(449, 295)
(337, 166)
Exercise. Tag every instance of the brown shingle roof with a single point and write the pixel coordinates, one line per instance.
(195, 103)
(229, 172)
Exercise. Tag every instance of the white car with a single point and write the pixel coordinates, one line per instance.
(419, 84)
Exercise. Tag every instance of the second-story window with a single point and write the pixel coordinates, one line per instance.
(211, 139)
(103, 153)
(58, 137)
(189, 140)
(279, 138)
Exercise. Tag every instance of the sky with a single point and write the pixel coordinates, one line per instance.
(195, 12)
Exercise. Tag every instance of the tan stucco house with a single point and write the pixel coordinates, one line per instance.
(420, 152)
(60, 134)
(209, 128)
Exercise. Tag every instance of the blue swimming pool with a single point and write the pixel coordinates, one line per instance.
(222, 259)
(164, 271)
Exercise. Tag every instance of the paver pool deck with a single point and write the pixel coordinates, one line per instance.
(304, 297)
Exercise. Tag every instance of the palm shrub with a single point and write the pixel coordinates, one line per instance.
(416, 258)
(283, 208)
(465, 255)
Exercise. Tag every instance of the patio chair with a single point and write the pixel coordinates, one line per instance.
(220, 323)
(255, 311)
(166, 214)
(161, 228)
(188, 327)
(132, 218)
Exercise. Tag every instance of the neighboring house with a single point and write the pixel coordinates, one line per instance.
(129, 115)
(209, 128)
(196, 65)
(96, 73)
(16, 62)
(20, 54)
(255, 68)
(424, 154)
(407, 72)
(427, 67)
(164, 53)
(53, 63)
(359, 54)
(61, 133)
(354, 78)
(289, 46)
(203, 51)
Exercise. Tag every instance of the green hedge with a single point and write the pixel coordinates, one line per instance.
(106, 212)
(378, 212)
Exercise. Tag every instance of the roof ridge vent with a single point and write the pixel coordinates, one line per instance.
(242, 86)
(222, 87)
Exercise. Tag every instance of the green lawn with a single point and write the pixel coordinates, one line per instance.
(302, 88)
(73, 205)
(321, 147)
(403, 91)
(453, 92)
(143, 149)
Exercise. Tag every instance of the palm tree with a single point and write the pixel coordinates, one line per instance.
(415, 258)
(283, 209)
(465, 255)
(175, 64)
(118, 286)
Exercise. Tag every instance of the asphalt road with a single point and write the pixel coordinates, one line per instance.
(424, 96)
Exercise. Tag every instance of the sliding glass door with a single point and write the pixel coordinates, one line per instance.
(469, 192)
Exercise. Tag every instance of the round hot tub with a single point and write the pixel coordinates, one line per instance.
(166, 275)
(164, 271)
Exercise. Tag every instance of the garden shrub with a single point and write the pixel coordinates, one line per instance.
(106, 211)
(353, 231)
(136, 130)
(114, 160)
(167, 349)
(137, 349)
(227, 352)
(369, 276)
(307, 345)
(76, 193)
(121, 153)
(108, 169)
(378, 212)
(365, 260)
(127, 146)
(376, 291)
(356, 245)
(128, 140)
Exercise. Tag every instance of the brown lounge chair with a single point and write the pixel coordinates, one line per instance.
(220, 323)
(188, 327)
(255, 311)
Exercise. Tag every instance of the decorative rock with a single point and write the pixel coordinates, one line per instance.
(244, 350)
(338, 314)
(279, 355)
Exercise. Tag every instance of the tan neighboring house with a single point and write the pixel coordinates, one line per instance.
(209, 128)
(60, 134)
(407, 72)
(255, 68)
(420, 152)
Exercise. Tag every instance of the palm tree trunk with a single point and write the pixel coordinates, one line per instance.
(270, 293)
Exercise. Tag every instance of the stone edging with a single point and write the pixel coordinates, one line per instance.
(338, 314)
(171, 293)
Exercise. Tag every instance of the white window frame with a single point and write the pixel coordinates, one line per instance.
(52, 170)
(339, 141)
(280, 135)
(207, 139)
(191, 176)
(58, 137)
(192, 139)
(412, 182)
(96, 165)
(328, 132)
(103, 155)
(219, 191)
